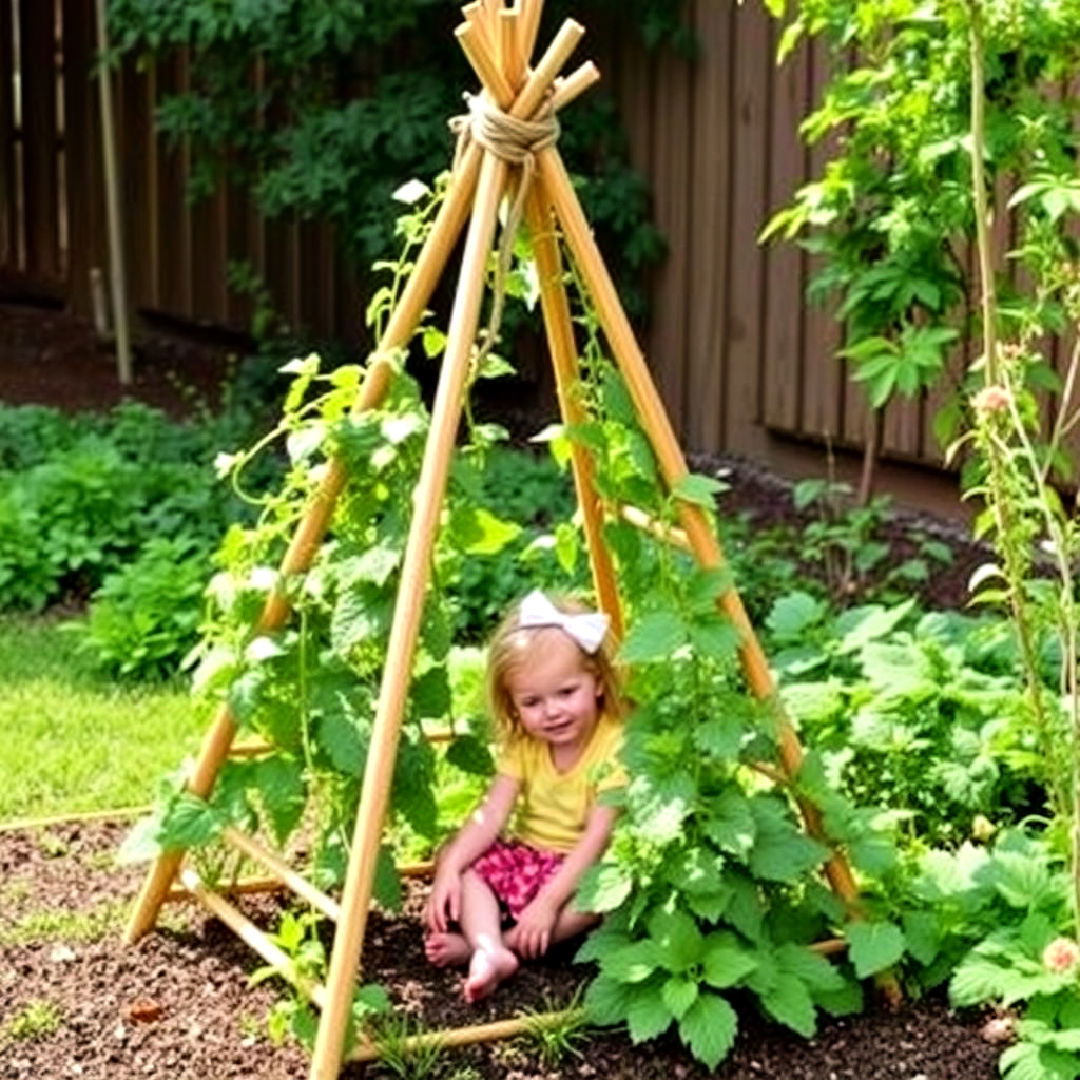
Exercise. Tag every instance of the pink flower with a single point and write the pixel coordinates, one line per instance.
(1061, 955)
(991, 399)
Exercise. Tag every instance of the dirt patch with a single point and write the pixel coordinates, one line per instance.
(180, 1004)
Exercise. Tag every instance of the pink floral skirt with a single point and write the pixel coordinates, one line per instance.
(516, 872)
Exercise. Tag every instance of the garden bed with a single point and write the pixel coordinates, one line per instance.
(179, 1005)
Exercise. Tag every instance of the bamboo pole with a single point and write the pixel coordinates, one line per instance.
(251, 935)
(670, 534)
(427, 505)
(428, 498)
(218, 740)
(703, 541)
(559, 327)
(529, 26)
(117, 254)
(511, 58)
(498, 1029)
(277, 866)
(244, 887)
(574, 85)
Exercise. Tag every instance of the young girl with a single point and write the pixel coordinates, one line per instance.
(553, 692)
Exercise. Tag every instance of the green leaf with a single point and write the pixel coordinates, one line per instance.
(874, 946)
(708, 1028)
(699, 490)
(387, 882)
(430, 694)
(923, 933)
(471, 755)
(678, 938)
(493, 534)
(792, 614)
(607, 1001)
(789, 1002)
(632, 963)
(810, 967)
(375, 565)
(679, 993)
(604, 887)
(714, 636)
(724, 961)
(190, 822)
(781, 852)
(282, 792)
(654, 637)
(1029, 1061)
(730, 824)
(648, 1015)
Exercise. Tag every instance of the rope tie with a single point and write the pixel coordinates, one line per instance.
(517, 142)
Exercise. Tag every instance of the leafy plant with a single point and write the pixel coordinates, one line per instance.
(893, 206)
(553, 1041)
(38, 1019)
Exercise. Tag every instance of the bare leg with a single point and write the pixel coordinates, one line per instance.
(447, 948)
(492, 961)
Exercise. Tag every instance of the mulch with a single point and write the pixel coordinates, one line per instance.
(180, 1005)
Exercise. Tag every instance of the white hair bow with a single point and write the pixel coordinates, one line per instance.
(587, 629)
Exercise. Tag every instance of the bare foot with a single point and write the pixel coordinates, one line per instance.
(446, 949)
(487, 969)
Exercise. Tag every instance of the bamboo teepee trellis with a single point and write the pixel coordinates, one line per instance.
(497, 42)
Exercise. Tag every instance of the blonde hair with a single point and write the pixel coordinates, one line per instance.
(513, 646)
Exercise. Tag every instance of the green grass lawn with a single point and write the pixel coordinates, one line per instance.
(71, 740)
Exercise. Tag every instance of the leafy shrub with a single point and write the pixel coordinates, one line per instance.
(920, 714)
(84, 494)
(146, 616)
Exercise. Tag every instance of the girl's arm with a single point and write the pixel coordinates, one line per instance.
(472, 840)
(537, 919)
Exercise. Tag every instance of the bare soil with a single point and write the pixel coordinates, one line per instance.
(179, 1005)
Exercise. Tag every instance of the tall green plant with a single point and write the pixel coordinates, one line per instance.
(893, 211)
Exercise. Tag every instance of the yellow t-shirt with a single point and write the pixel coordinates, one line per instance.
(553, 806)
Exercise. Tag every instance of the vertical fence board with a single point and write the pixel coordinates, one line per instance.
(37, 37)
(707, 419)
(752, 76)
(139, 185)
(173, 213)
(82, 151)
(671, 124)
(783, 346)
(9, 229)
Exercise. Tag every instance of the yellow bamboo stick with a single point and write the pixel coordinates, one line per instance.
(511, 59)
(251, 935)
(244, 887)
(218, 739)
(498, 1029)
(277, 866)
(529, 26)
(574, 85)
(670, 534)
(559, 327)
(427, 503)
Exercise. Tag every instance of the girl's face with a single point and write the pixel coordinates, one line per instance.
(556, 697)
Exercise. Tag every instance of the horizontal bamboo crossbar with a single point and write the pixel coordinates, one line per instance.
(282, 871)
(244, 887)
(670, 534)
(251, 935)
(258, 747)
(499, 1029)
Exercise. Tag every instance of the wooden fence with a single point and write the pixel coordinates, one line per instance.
(739, 356)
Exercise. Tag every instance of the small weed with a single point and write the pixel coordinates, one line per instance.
(554, 1038)
(99, 860)
(251, 1027)
(399, 1057)
(36, 1020)
(52, 846)
(14, 891)
(79, 926)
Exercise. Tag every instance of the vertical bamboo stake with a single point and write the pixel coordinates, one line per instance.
(305, 543)
(657, 425)
(117, 256)
(427, 505)
(510, 55)
(564, 358)
(529, 26)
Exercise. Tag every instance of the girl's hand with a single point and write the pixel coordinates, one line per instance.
(444, 902)
(532, 935)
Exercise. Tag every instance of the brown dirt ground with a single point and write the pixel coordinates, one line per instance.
(179, 1005)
